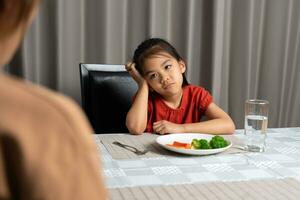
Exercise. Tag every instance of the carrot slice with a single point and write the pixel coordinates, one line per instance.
(180, 145)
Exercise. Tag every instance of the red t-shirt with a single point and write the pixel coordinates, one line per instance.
(194, 103)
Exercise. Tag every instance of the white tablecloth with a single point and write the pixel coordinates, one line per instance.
(281, 160)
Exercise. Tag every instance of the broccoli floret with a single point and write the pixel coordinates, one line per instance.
(196, 144)
(204, 144)
(218, 142)
(215, 143)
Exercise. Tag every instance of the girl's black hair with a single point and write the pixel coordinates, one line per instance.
(153, 46)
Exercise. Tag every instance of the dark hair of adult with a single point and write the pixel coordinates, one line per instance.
(151, 47)
(13, 13)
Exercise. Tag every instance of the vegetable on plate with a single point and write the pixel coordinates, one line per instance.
(215, 143)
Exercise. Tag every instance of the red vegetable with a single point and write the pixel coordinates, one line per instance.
(180, 145)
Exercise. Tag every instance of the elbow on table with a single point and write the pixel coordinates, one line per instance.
(230, 128)
(134, 129)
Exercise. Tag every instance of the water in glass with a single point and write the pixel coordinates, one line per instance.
(255, 129)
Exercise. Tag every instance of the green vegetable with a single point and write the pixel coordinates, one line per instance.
(215, 143)
(218, 142)
(196, 144)
(204, 144)
(200, 144)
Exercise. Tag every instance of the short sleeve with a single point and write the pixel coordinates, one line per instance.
(205, 99)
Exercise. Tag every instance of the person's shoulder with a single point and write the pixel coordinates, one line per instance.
(197, 92)
(26, 103)
(194, 89)
(199, 95)
(48, 131)
(26, 95)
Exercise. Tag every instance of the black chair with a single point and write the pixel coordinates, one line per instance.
(107, 92)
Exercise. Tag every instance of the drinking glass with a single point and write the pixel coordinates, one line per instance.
(256, 122)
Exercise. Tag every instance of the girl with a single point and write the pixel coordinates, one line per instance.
(165, 102)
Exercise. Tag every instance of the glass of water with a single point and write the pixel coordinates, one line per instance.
(256, 122)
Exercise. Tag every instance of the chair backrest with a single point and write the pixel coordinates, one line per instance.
(107, 92)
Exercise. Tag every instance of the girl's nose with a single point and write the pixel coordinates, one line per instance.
(164, 78)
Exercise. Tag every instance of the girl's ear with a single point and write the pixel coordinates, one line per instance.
(182, 66)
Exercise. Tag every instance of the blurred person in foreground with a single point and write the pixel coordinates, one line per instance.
(46, 146)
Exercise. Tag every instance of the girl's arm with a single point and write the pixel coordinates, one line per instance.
(136, 119)
(219, 123)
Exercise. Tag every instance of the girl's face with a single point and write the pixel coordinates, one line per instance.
(163, 73)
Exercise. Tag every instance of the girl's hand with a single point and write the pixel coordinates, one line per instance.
(130, 67)
(164, 127)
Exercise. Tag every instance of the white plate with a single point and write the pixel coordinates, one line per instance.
(187, 138)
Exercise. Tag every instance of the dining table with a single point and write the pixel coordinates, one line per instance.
(231, 174)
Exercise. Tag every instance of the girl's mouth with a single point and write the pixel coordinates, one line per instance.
(168, 86)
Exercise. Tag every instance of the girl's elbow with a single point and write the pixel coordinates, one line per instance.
(133, 129)
(136, 131)
(231, 127)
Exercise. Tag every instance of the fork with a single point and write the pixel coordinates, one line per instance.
(130, 148)
(240, 147)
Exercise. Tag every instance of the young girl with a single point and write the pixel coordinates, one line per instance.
(165, 102)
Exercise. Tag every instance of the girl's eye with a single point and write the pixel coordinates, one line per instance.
(168, 66)
(153, 76)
